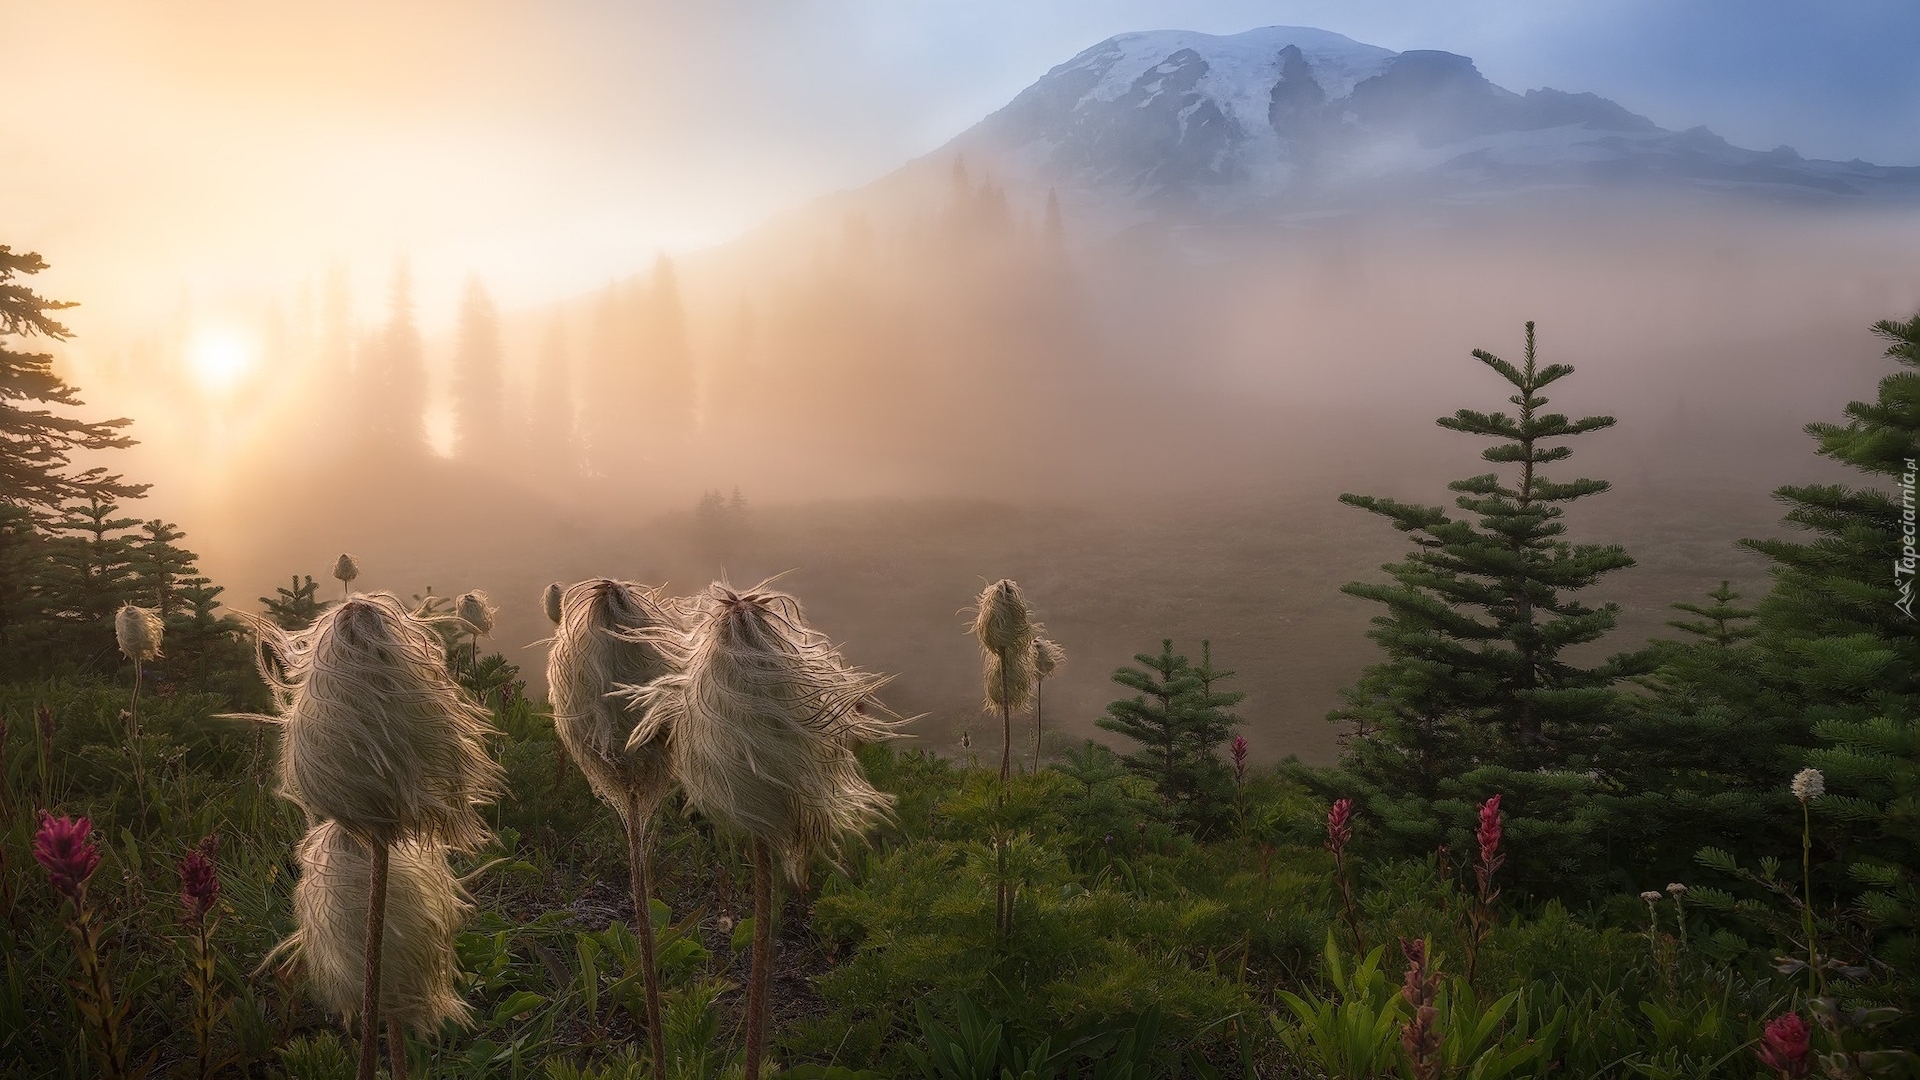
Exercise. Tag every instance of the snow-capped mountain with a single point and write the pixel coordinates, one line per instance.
(1292, 118)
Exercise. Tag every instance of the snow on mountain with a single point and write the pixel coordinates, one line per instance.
(1293, 118)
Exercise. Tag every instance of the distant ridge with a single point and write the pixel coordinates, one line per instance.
(1287, 118)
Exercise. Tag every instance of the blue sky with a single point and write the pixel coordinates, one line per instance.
(1834, 78)
(221, 146)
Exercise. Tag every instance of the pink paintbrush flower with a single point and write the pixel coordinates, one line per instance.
(1490, 831)
(61, 845)
(199, 879)
(1338, 831)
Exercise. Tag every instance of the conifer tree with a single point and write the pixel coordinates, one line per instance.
(668, 370)
(1697, 761)
(479, 407)
(161, 566)
(92, 569)
(1180, 723)
(22, 554)
(36, 442)
(554, 424)
(1475, 696)
(295, 607)
(392, 375)
(336, 376)
(1840, 632)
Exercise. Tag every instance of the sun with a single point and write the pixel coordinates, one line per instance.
(219, 359)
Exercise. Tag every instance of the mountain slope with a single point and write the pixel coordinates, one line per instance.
(1289, 118)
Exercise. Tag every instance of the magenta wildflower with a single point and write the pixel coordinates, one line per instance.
(1784, 1045)
(62, 847)
(1338, 831)
(199, 879)
(1490, 832)
(1419, 1036)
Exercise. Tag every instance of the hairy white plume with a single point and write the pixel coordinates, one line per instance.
(425, 907)
(1047, 655)
(764, 715)
(138, 631)
(346, 568)
(550, 602)
(1003, 620)
(476, 611)
(376, 734)
(608, 638)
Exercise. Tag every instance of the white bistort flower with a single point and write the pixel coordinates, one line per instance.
(1808, 784)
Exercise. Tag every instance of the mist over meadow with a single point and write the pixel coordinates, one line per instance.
(643, 541)
(915, 394)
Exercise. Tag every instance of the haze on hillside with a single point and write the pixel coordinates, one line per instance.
(1139, 395)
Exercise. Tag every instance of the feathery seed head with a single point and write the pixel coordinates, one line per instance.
(1047, 656)
(550, 602)
(474, 609)
(376, 734)
(611, 634)
(424, 910)
(1010, 683)
(346, 568)
(1003, 619)
(1808, 784)
(138, 632)
(764, 717)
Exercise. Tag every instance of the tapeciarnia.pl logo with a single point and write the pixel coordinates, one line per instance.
(1903, 567)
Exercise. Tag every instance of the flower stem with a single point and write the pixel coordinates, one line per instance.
(1006, 725)
(639, 857)
(370, 1001)
(1816, 982)
(397, 1050)
(762, 960)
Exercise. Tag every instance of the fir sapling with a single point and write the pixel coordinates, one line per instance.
(763, 715)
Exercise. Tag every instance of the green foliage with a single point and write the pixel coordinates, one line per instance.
(317, 1057)
(296, 606)
(1476, 695)
(1180, 721)
(1842, 647)
(37, 444)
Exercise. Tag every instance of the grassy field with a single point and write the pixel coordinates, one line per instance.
(1258, 574)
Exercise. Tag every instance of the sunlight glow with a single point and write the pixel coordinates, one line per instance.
(219, 359)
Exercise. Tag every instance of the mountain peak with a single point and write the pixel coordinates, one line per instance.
(1294, 117)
